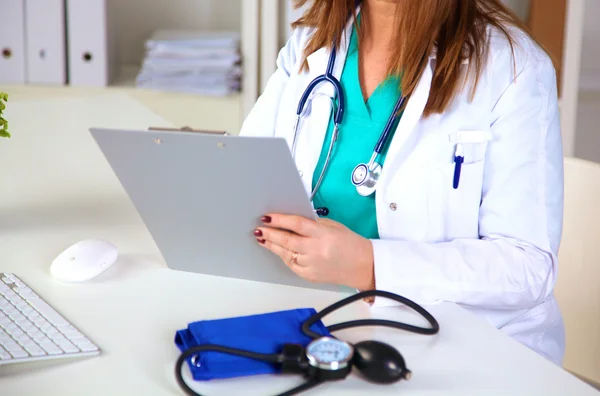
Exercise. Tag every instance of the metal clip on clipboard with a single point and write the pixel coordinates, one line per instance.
(188, 129)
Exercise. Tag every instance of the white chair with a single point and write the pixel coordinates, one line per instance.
(578, 285)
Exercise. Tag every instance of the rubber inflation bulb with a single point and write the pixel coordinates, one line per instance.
(380, 363)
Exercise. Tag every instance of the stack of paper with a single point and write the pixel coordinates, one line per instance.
(206, 63)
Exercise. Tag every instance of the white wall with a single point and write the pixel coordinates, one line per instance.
(590, 60)
(137, 19)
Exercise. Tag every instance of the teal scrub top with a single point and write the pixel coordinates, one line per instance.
(360, 130)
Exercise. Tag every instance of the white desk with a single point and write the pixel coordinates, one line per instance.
(56, 189)
(180, 109)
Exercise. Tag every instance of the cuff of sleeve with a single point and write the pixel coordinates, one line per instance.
(398, 271)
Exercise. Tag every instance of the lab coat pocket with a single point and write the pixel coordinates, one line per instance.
(402, 205)
(455, 190)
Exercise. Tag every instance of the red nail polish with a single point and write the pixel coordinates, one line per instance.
(258, 233)
(261, 241)
(266, 219)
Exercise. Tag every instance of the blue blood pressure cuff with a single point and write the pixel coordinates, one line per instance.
(264, 333)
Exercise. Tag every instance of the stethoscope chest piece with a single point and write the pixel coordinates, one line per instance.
(365, 178)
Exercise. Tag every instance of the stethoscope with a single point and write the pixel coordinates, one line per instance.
(365, 175)
(327, 359)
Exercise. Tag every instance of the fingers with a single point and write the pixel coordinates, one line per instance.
(291, 259)
(285, 254)
(284, 239)
(296, 224)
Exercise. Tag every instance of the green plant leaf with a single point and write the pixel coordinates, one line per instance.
(3, 122)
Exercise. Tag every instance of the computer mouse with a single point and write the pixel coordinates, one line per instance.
(84, 260)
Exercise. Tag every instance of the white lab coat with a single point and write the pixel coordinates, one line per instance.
(489, 246)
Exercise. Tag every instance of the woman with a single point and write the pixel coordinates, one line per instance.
(468, 206)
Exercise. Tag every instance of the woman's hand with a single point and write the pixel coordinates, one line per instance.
(321, 251)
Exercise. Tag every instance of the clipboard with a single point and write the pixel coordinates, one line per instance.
(201, 195)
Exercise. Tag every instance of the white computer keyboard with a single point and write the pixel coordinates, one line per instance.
(31, 330)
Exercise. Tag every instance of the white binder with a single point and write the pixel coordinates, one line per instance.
(45, 42)
(12, 41)
(90, 42)
(250, 11)
(270, 24)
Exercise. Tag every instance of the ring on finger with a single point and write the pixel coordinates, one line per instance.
(294, 260)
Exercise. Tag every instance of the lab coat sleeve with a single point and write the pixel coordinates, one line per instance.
(513, 265)
(261, 120)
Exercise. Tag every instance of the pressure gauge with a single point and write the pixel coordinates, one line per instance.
(331, 354)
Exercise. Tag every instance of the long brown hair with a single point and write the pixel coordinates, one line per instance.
(456, 29)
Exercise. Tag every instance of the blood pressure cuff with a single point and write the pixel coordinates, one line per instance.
(264, 333)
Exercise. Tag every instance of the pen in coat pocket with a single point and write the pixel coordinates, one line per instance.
(459, 157)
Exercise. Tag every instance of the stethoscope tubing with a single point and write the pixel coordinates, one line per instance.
(372, 167)
(330, 78)
(389, 127)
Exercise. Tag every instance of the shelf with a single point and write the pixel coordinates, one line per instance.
(198, 111)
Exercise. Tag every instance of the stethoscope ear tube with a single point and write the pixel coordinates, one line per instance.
(337, 86)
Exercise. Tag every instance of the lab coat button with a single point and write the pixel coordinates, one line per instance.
(301, 173)
(393, 206)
